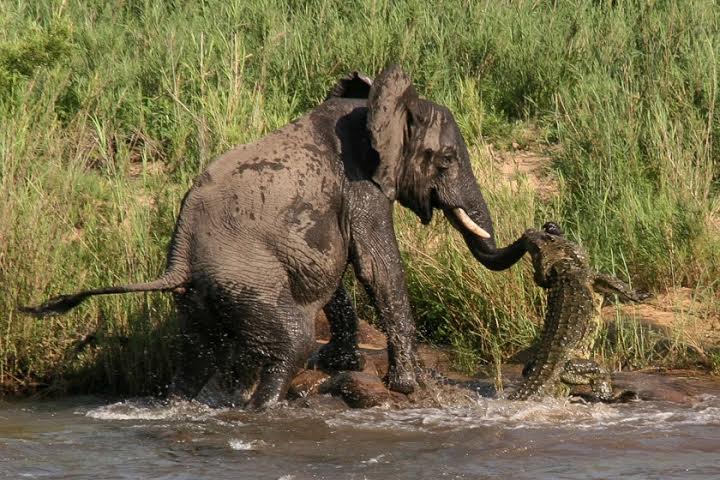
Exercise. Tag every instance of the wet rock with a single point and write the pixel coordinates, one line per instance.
(320, 403)
(676, 387)
(369, 337)
(430, 358)
(306, 383)
(370, 368)
(376, 362)
(322, 327)
(357, 389)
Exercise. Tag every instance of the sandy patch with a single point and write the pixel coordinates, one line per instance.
(678, 313)
(527, 167)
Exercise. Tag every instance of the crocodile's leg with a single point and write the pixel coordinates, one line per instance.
(580, 371)
(609, 285)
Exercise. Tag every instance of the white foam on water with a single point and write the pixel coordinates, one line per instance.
(237, 444)
(373, 460)
(665, 416)
(500, 413)
(151, 410)
(487, 412)
(560, 413)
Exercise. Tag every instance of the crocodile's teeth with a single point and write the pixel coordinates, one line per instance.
(469, 223)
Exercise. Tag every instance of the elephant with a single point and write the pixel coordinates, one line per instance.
(266, 232)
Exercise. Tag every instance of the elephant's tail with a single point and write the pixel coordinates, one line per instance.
(176, 276)
(172, 279)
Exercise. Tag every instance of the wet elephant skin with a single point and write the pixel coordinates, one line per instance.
(267, 230)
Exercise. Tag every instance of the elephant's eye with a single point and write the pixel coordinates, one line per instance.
(444, 162)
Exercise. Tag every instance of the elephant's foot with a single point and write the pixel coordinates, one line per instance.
(401, 380)
(334, 357)
(184, 388)
(272, 387)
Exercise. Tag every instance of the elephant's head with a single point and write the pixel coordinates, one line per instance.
(424, 164)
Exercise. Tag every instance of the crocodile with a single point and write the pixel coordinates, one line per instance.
(574, 295)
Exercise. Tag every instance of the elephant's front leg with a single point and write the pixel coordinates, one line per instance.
(341, 353)
(376, 259)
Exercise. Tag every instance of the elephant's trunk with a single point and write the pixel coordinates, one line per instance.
(497, 258)
(480, 240)
(464, 206)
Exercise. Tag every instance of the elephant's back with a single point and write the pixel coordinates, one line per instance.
(267, 211)
(272, 183)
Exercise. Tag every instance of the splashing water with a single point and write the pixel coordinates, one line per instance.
(146, 438)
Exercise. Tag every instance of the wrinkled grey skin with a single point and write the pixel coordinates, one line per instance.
(266, 232)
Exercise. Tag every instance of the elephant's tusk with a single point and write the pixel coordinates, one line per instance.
(469, 223)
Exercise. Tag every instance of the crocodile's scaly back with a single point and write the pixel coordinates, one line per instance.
(571, 319)
(570, 309)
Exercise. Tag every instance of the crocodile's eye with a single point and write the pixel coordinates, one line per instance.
(553, 228)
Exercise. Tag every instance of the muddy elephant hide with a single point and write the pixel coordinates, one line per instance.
(266, 232)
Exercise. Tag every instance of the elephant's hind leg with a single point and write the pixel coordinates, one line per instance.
(197, 358)
(289, 343)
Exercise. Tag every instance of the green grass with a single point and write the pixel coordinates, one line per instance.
(109, 109)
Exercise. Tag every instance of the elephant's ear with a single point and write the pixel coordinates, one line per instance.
(392, 96)
(354, 85)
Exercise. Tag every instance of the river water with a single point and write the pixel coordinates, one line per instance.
(88, 438)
